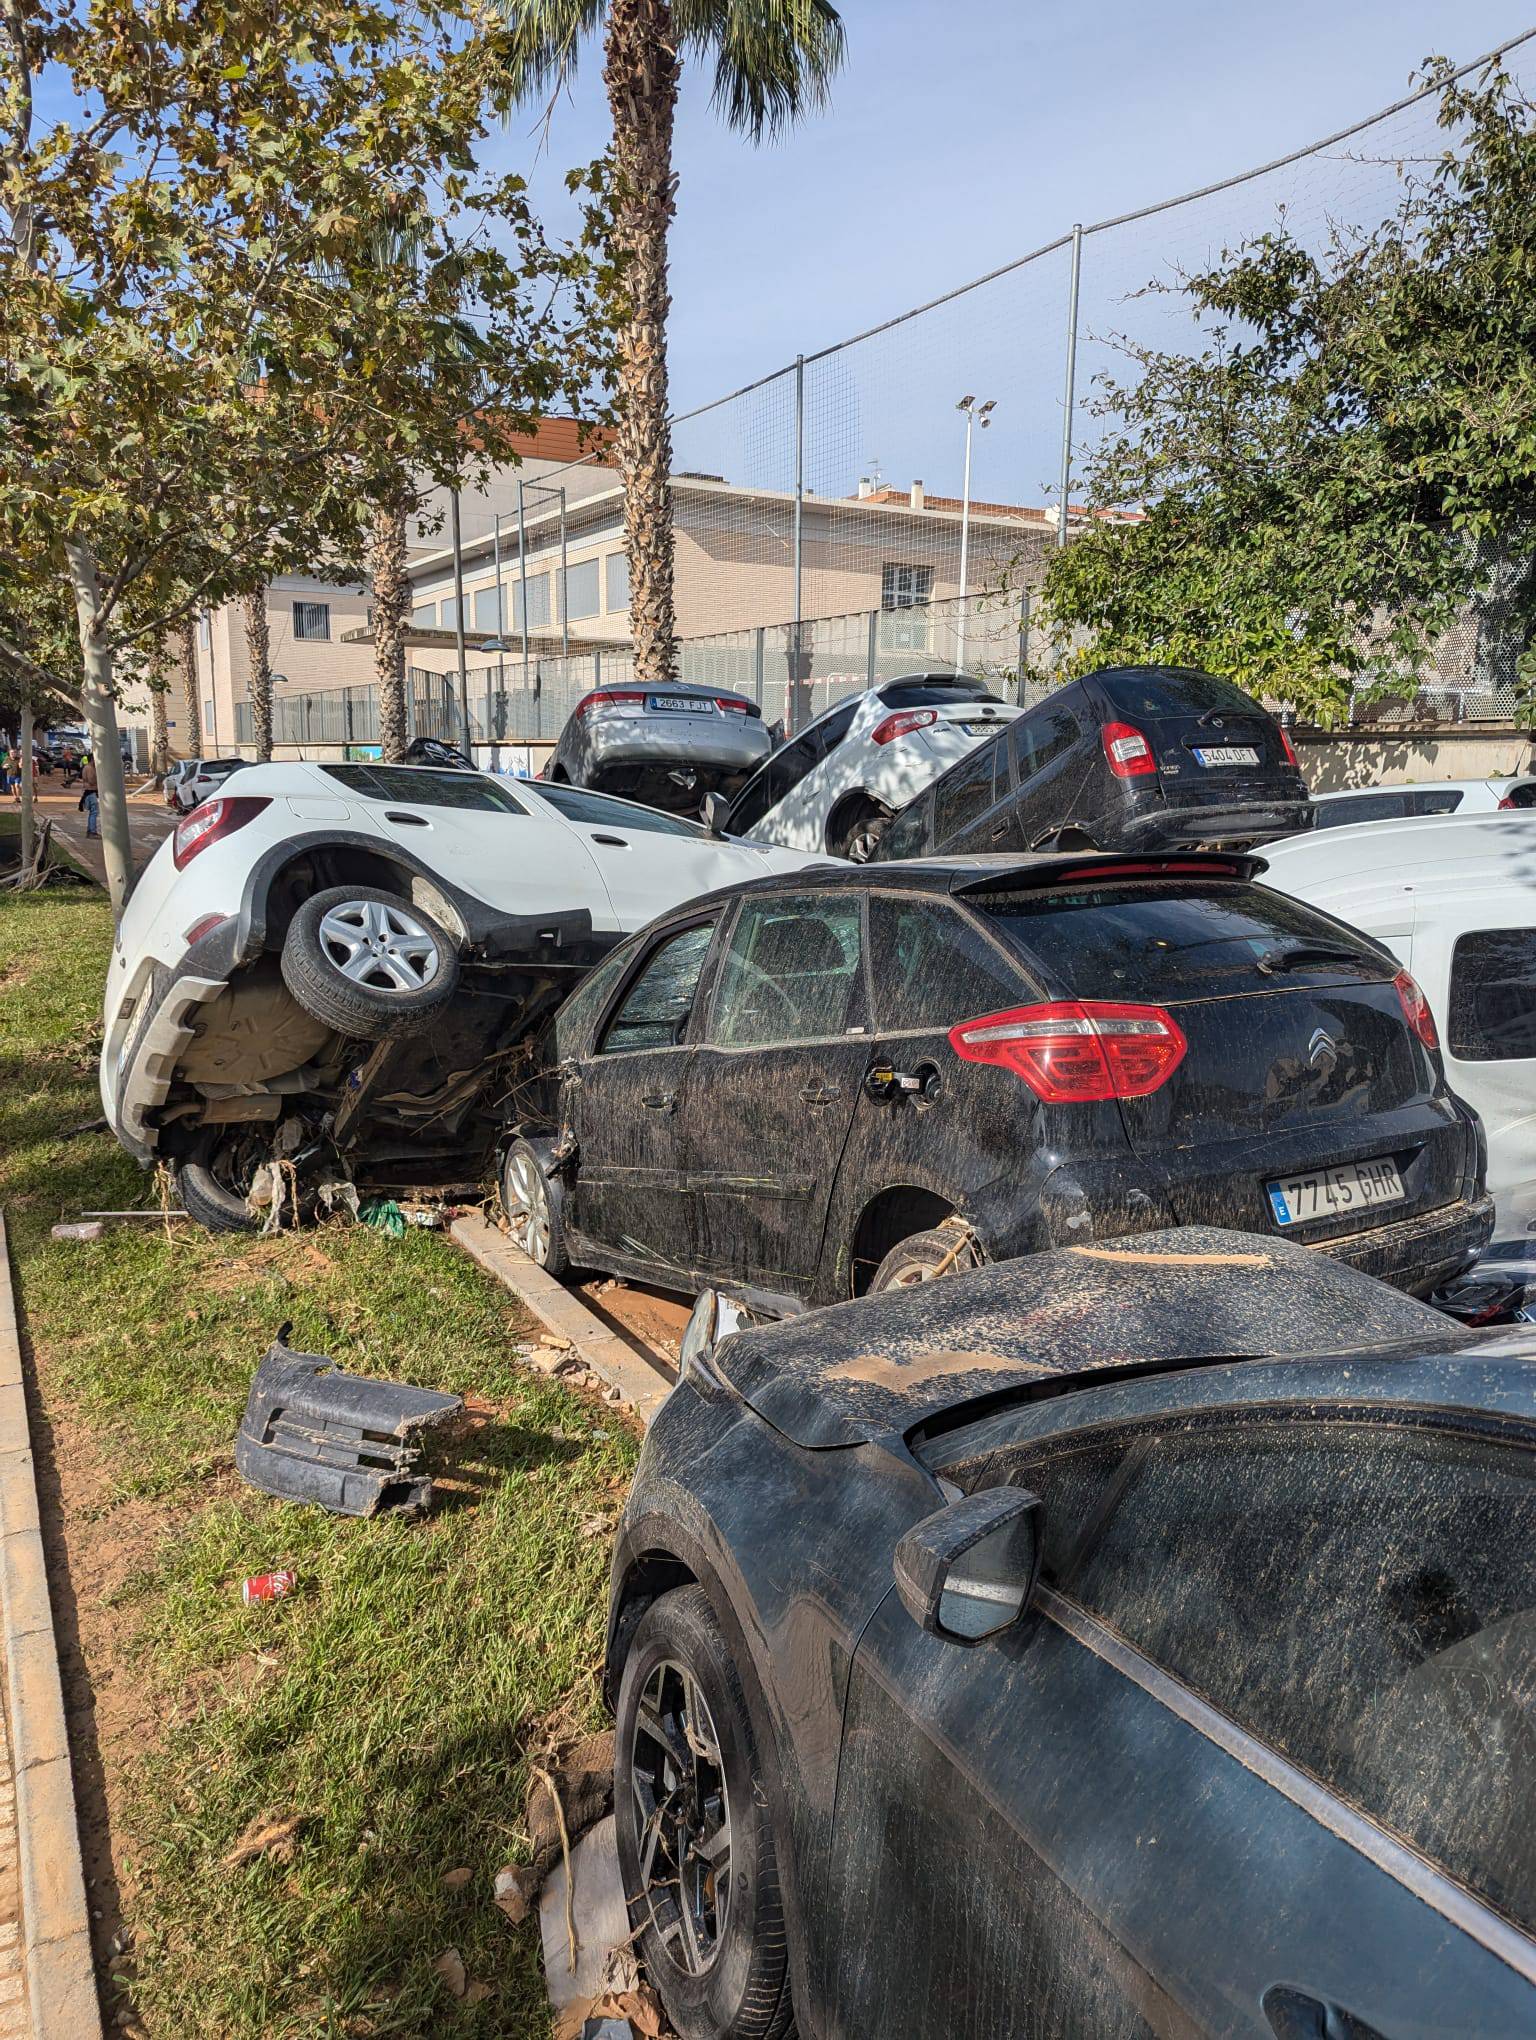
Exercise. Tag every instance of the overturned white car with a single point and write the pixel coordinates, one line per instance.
(335, 972)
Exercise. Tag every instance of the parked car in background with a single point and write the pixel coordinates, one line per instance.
(437, 751)
(1455, 898)
(666, 745)
(203, 776)
(182, 769)
(1125, 1644)
(1131, 758)
(857, 1077)
(1444, 797)
(335, 968)
(835, 786)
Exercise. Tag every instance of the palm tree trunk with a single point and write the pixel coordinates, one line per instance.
(159, 733)
(28, 737)
(258, 647)
(641, 73)
(191, 707)
(391, 616)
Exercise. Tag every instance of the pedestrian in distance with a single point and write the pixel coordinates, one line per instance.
(88, 796)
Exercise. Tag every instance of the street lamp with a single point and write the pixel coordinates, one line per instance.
(974, 413)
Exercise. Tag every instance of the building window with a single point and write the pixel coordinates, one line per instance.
(486, 618)
(208, 719)
(312, 620)
(580, 591)
(446, 613)
(904, 587)
(538, 603)
(424, 616)
(205, 631)
(617, 567)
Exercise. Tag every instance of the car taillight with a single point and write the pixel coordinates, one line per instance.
(1416, 1009)
(902, 724)
(608, 697)
(1288, 747)
(732, 705)
(1128, 752)
(1077, 1051)
(218, 817)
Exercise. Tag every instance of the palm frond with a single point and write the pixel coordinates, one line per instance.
(542, 37)
(774, 59)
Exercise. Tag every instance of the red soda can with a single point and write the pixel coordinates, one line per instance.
(267, 1586)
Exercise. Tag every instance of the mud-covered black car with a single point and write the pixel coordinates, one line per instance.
(863, 1075)
(1125, 1641)
(1130, 758)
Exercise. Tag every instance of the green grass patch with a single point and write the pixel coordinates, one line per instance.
(393, 1700)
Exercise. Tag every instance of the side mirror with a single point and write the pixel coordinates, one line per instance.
(967, 1571)
(714, 808)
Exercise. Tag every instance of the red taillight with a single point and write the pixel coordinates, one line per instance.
(204, 926)
(1288, 747)
(1128, 752)
(1416, 1009)
(608, 697)
(732, 705)
(902, 724)
(1509, 801)
(1077, 1051)
(220, 816)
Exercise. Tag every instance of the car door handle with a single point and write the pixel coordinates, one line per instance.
(659, 1101)
(820, 1094)
(618, 842)
(1294, 2015)
(416, 821)
(999, 830)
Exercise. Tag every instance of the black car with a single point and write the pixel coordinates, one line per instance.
(438, 751)
(851, 1078)
(1131, 758)
(1111, 1644)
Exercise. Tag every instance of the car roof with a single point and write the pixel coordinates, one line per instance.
(1504, 840)
(883, 1366)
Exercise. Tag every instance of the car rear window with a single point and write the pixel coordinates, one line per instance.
(1153, 693)
(421, 787)
(1167, 941)
(601, 810)
(1493, 996)
(933, 693)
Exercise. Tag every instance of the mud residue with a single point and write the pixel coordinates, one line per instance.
(886, 1370)
(1145, 1260)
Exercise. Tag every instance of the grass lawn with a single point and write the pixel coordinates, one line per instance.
(394, 1699)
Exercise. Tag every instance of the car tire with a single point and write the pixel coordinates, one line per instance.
(208, 1183)
(368, 963)
(858, 831)
(728, 1977)
(534, 1203)
(927, 1254)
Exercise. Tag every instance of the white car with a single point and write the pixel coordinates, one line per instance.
(334, 971)
(200, 778)
(1436, 797)
(1453, 896)
(836, 785)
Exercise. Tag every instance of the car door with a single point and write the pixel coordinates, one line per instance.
(971, 811)
(1052, 765)
(1255, 1763)
(628, 1197)
(774, 1084)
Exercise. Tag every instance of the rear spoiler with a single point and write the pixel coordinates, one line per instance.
(1077, 867)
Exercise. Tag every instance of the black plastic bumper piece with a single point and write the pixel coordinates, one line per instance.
(311, 1433)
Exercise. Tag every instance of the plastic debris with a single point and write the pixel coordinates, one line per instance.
(384, 1215)
(82, 1229)
(267, 1586)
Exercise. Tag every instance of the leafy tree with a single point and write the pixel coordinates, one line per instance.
(1325, 485)
(773, 59)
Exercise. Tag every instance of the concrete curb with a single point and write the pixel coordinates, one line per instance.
(640, 1382)
(55, 1926)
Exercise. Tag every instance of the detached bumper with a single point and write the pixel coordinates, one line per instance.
(1419, 1254)
(1184, 828)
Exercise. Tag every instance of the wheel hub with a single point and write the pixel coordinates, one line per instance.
(378, 943)
(683, 1817)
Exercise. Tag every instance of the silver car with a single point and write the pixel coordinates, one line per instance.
(667, 746)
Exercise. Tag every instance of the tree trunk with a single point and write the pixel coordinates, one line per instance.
(28, 732)
(97, 702)
(159, 734)
(641, 73)
(258, 646)
(391, 618)
(191, 707)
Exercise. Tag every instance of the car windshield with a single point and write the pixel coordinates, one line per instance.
(1155, 692)
(601, 810)
(1169, 941)
(424, 788)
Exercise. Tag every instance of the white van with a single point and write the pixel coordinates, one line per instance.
(1454, 896)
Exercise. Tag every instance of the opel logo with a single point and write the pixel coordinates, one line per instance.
(1322, 1052)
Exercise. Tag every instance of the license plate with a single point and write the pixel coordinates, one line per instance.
(1329, 1193)
(1228, 754)
(679, 704)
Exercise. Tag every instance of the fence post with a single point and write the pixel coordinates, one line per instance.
(874, 649)
(1071, 394)
(796, 662)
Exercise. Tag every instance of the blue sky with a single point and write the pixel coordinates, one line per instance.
(963, 132)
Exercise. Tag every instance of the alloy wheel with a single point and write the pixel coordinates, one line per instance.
(683, 1816)
(527, 1201)
(374, 942)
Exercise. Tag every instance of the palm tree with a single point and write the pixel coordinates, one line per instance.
(258, 648)
(773, 60)
(191, 707)
(387, 560)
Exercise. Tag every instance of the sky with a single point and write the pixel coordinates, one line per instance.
(962, 134)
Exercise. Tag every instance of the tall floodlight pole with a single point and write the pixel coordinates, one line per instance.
(458, 614)
(565, 607)
(973, 412)
(522, 570)
(792, 705)
(1071, 397)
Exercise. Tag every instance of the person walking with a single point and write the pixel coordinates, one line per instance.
(88, 797)
(10, 763)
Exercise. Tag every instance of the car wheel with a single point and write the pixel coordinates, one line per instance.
(533, 1202)
(368, 963)
(858, 831)
(696, 1847)
(214, 1178)
(948, 1249)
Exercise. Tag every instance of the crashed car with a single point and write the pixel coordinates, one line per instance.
(1127, 1641)
(670, 744)
(868, 1075)
(327, 975)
